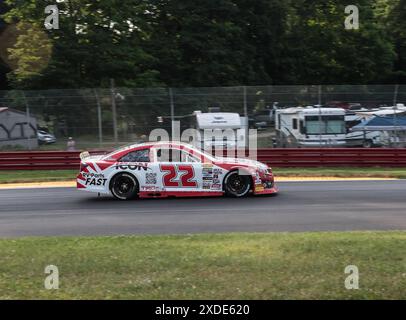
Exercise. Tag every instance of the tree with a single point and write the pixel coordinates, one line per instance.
(217, 43)
(4, 68)
(96, 41)
(321, 51)
(142, 43)
(397, 28)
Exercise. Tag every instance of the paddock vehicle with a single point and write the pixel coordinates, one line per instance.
(166, 169)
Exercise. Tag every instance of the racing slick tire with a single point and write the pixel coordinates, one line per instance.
(124, 186)
(236, 185)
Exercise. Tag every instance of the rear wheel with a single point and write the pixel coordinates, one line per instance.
(236, 185)
(124, 186)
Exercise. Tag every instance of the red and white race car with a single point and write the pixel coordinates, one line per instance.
(165, 169)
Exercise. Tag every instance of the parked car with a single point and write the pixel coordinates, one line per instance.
(263, 118)
(45, 137)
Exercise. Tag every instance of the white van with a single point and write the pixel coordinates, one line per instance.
(220, 129)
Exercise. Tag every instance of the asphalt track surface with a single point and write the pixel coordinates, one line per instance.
(300, 206)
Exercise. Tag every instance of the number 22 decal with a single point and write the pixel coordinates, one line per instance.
(186, 174)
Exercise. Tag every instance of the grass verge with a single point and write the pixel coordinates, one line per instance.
(17, 176)
(210, 266)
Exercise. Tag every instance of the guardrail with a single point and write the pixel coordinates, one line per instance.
(278, 157)
(333, 157)
(41, 160)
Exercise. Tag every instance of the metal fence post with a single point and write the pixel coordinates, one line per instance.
(245, 115)
(395, 108)
(114, 110)
(99, 117)
(27, 115)
(172, 113)
(319, 105)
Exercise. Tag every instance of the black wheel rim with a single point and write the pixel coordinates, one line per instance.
(124, 186)
(236, 184)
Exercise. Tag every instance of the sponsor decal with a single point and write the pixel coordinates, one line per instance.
(95, 181)
(216, 181)
(259, 188)
(207, 165)
(134, 167)
(206, 186)
(150, 188)
(150, 178)
(257, 178)
(216, 186)
(217, 171)
(92, 175)
(207, 178)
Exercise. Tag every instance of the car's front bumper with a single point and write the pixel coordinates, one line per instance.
(258, 191)
(265, 184)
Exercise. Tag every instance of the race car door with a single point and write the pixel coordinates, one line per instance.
(177, 170)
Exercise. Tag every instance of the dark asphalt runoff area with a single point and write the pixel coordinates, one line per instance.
(300, 206)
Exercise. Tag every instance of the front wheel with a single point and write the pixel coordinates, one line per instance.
(124, 186)
(236, 185)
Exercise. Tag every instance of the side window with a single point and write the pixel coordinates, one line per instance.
(175, 155)
(188, 158)
(294, 124)
(350, 124)
(302, 128)
(164, 155)
(136, 156)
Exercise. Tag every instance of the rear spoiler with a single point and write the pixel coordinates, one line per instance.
(83, 155)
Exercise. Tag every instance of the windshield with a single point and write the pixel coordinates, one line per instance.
(325, 125)
(199, 152)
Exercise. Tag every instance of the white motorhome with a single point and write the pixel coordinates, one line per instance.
(311, 126)
(220, 129)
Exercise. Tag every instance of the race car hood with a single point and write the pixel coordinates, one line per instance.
(248, 162)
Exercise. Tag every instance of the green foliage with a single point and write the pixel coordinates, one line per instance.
(323, 51)
(30, 54)
(95, 42)
(207, 43)
(397, 24)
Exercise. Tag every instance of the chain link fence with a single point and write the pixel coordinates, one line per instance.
(105, 118)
